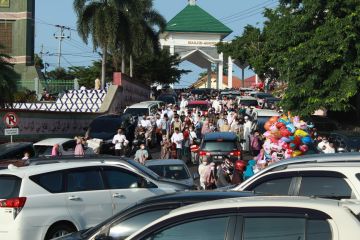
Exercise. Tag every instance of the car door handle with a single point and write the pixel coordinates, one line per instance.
(118, 195)
(74, 198)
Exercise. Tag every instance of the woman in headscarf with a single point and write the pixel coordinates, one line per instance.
(79, 149)
(55, 150)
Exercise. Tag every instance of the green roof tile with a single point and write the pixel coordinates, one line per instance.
(194, 19)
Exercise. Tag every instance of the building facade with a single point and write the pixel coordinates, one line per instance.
(17, 35)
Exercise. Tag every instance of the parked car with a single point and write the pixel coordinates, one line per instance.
(324, 125)
(346, 141)
(230, 94)
(67, 146)
(217, 145)
(270, 102)
(270, 218)
(247, 101)
(334, 176)
(143, 212)
(261, 116)
(159, 103)
(62, 196)
(168, 98)
(173, 169)
(203, 106)
(143, 108)
(106, 126)
(12, 153)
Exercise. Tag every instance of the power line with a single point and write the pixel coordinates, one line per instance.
(246, 10)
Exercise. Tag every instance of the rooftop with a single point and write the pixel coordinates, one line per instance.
(194, 19)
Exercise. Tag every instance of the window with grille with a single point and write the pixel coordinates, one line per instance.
(6, 37)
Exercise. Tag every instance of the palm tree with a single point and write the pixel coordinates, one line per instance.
(102, 19)
(8, 78)
(146, 25)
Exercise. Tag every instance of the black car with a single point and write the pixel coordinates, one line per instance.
(135, 217)
(16, 150)
(106, 126)
(167, 98)
(12, 153)
(346, 141)
(218, 145)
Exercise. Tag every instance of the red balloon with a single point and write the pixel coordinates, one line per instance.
(267, 125)
(280, 125)
(297, 140)
(285, 132)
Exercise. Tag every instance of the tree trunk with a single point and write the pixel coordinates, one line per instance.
(103, 68)
(131, 65)
(123, 60)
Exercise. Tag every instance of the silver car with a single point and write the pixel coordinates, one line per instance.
(174, 169)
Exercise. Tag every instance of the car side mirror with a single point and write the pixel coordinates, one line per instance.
(196, 176)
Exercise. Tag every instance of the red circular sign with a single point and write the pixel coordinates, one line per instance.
(11, 119)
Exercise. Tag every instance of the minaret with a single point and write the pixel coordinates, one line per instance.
(192, 2)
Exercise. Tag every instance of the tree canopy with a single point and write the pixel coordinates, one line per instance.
(313, 46)
(7, 80)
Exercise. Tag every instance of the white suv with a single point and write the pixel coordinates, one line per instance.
(250, 218)
(334, 176)
(50, 200)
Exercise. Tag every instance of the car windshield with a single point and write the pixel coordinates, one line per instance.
(264, 95)
(167, 99)
(144, 169)
(176, 172)
(221, 146)
(248, 103)
(202, 107)
(137, 111)
(43, 150)
(9, 186)
(107, 125)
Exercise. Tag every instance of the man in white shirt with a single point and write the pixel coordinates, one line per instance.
(120, 142)
(247, 132)
(178, 138)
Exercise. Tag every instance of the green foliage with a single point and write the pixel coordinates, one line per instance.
(87, 75)
(8, 78)
(59, 73)
(158, 68)
(311, 45)
(38, 62)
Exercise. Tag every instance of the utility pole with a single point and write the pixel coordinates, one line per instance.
(61, 37)
(41, 54)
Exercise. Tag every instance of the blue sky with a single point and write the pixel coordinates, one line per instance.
(234, 13)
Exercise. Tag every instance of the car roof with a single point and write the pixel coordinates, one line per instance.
(347, 133)
(199, 102)
(266, 112)
(164, 162)
(142, 105)
(220, 135)
(247, 98)
(308, 159)
(55, 166)
(153, 101)
(196, 196)
(52, 141)
(260, 201)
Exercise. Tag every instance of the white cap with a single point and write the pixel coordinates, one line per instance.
(246, 117)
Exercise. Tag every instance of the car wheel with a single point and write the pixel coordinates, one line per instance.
(59, 230)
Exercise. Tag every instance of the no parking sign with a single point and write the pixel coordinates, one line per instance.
(11, 120)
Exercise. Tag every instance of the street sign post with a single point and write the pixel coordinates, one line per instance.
(11, 120)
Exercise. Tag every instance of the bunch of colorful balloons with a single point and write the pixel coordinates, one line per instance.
(286, 137)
